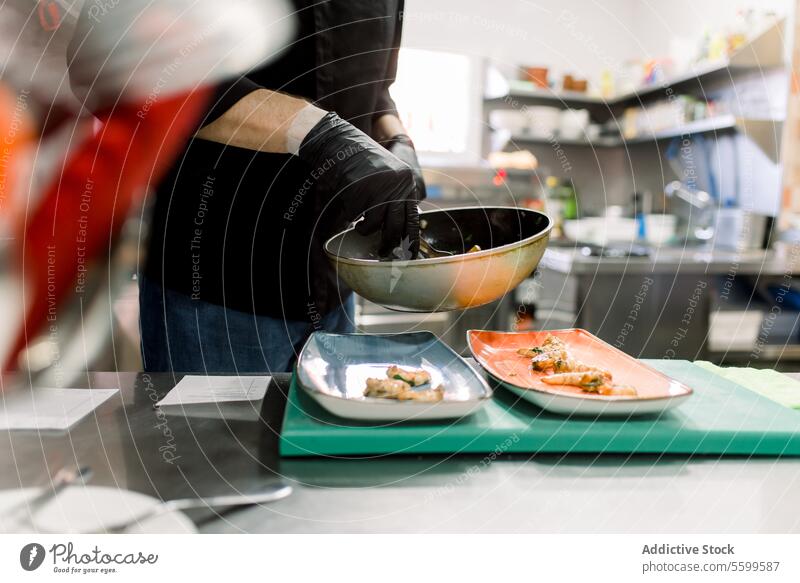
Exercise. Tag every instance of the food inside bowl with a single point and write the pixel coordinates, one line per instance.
(428, 251)
(446, 234)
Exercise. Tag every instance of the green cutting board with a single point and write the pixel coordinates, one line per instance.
(720, 418)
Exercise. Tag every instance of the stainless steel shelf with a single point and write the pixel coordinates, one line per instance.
(765, 50)
(526, 92)
(700, 126)
(599, 143)
(720, 123)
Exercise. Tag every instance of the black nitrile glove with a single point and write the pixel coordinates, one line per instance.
(402, 147)
(347, 162)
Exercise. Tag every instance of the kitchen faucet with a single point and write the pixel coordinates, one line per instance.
(701, 223)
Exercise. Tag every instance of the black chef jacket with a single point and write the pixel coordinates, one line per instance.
(243, 229)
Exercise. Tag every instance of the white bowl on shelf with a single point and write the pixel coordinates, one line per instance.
(659, 228)
(601, 230)
(514, 121)
(543, 120)
(573, 124)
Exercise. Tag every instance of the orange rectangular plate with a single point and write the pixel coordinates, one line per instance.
(497, 353)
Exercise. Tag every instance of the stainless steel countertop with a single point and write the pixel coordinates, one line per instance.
(517, 493)
(669, 260)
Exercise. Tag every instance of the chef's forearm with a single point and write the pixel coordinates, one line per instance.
(386, 127)
(259, 121)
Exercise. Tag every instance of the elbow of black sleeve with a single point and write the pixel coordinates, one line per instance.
(384, 105)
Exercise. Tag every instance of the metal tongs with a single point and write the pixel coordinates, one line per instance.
(270, 494)
(428, 251)
(61, 480)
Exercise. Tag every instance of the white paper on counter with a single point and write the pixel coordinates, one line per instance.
(197, 389)
(50, 409)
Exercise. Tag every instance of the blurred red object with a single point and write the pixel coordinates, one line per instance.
(136, 66)
(16, 132)
(536, 204)
(49, 14)
(85, 205)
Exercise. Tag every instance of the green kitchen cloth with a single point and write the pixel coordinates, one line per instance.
(768, 383)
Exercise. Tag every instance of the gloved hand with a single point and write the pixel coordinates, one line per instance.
(371, 181)
(402, 147)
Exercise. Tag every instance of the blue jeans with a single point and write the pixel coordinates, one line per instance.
(180, 334)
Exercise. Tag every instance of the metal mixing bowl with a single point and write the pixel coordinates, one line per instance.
(512, 240)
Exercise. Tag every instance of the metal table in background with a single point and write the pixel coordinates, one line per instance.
(130, 445)
(672, 303)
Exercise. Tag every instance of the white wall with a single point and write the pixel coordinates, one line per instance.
(581, 37)
(658, 21)
(561, 34)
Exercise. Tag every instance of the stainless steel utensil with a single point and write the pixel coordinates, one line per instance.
(740, 230)
(272, 494)
(61, 479)
(426, 250)
(701, 221)
(512, 240)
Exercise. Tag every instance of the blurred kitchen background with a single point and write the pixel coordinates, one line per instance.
(653, 133)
